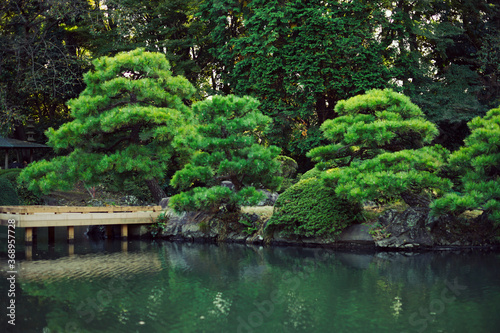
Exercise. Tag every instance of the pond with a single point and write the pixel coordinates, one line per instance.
(138, 286)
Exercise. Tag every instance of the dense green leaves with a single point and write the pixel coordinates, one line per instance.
(478, 166)
(8, 195)
(377, 150)
(124, 124)
(376, 122)
(309, 208)
(299, 58)
(388, 176)
(230, 130)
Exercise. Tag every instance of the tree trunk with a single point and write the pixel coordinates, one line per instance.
(156, 191)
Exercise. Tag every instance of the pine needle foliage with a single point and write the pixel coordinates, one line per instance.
(478, 165)
(390, 176)
(378, 153)
(369, 124)
(124, 124)
(228, 149)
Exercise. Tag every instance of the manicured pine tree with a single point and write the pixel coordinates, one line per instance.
(124, 124)
(230, 147)
(378, 152)
(477, 165)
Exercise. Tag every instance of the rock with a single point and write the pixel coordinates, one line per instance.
(228, 184)
(406, 229)
(270, 199)
(96, 231)
(164, 203)
(357, 233)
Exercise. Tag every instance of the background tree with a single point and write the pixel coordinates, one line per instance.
(41, 61)
(166, 26)
(125, 122)
(477, 165)
(377, 149)
(441, 56)
(229, 149)
(299, 58)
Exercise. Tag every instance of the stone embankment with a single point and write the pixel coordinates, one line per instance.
(412, 229)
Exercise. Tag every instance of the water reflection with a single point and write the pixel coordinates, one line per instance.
(174, 287)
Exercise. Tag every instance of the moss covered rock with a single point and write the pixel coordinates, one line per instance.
(310, 209)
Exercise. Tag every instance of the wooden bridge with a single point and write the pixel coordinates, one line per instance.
(32, 217)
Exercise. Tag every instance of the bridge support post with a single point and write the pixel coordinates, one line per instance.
(28, 236)
(28, 251)
(124, 231)
(71, 234)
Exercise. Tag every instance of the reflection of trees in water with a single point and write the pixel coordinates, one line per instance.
(203, 287)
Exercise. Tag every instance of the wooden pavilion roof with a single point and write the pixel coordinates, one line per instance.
(7, 143)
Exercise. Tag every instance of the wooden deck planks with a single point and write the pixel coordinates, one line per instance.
(75, 209)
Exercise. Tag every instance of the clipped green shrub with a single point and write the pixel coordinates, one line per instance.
(24, 195)
(10, 174)
(8, 195)
(309, 208)
(313, 173)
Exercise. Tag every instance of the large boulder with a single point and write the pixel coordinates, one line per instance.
(408, 229)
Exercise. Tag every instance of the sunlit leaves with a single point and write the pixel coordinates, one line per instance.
(478, 167)
(228, 147)
(378, 121)
(125, 122)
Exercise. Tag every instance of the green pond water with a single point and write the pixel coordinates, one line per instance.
(138, 286)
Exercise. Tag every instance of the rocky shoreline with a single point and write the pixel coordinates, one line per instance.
(410, 230)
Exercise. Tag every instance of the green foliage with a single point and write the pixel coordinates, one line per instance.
(299, 58)
(313, 173)
(478, 167)
(125, 122)
(309, 208)
(377, 151)
(246, 221)
(8, 195)
(25, 196)
(288, 166)
(388, 176)
(159, 224)
(288, 172)
(10, 174)
(369, 124)
(227, 150)
(42, 61)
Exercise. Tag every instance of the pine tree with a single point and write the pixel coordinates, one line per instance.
(229, 148)
(477, 165)
(124, 124)
(378, 152)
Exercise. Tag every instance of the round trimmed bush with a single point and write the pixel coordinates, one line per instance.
(309, 208)
(8, 195)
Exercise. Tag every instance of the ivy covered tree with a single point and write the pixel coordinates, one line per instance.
(229, 148)
(378, 152)
(478, 166)
(298, 58)
(124, 124)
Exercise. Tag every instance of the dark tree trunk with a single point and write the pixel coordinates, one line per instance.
(156, 190)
